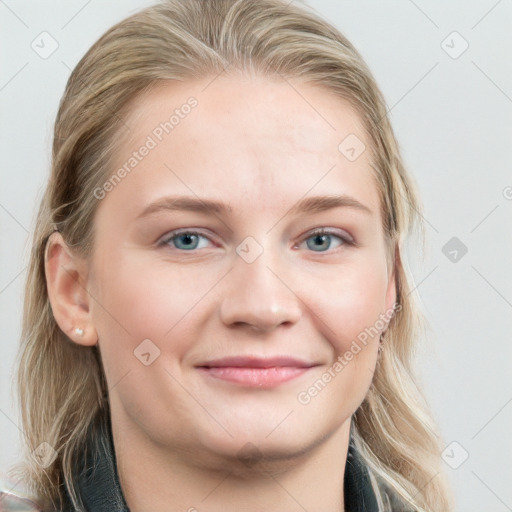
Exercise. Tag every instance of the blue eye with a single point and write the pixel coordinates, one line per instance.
(320, 240)
(186, 240)
(323, 240)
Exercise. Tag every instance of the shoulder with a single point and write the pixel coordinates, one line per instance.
(15, 501)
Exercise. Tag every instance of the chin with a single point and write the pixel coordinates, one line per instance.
(263, 444)
(246, 459)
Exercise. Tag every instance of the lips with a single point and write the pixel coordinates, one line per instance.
(256, 362)
(257, 372)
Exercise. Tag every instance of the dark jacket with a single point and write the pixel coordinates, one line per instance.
(100, 490)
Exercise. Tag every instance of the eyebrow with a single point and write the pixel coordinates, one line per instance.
(315, 204)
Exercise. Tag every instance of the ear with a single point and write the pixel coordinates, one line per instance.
(392, 289)
(66, 281)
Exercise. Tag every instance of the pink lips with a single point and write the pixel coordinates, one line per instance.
(256, 372)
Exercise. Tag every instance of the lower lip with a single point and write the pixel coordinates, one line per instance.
(255, 377)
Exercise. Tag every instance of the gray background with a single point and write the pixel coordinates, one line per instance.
(452, 115)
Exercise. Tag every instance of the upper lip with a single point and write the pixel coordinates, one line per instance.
(257, 362)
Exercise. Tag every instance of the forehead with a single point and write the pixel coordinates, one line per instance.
(303, 113)
(261, 138)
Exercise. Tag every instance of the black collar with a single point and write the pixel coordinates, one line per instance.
(100, 490)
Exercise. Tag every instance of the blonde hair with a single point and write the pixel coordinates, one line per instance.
(62, 387)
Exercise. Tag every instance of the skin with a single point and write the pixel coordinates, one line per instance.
(259, 146)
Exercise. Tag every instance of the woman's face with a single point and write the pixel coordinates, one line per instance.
(205, 249)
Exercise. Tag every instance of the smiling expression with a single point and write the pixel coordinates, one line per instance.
(244, 232)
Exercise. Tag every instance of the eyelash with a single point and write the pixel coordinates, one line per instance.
(346, 240)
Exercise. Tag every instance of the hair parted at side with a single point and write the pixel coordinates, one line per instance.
(61, 385)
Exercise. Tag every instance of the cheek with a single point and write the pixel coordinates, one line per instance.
(349, 303)
(346, 312)
(138, 301)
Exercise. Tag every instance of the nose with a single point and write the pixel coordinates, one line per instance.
(259, 295)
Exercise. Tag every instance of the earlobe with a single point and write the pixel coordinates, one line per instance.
(66, 281)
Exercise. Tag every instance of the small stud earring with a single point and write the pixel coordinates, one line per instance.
(79, 331)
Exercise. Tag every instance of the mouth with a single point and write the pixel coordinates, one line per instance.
(256, 372)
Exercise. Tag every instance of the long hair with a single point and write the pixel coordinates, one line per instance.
(61, 385)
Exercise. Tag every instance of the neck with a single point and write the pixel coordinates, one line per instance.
(163, 479)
